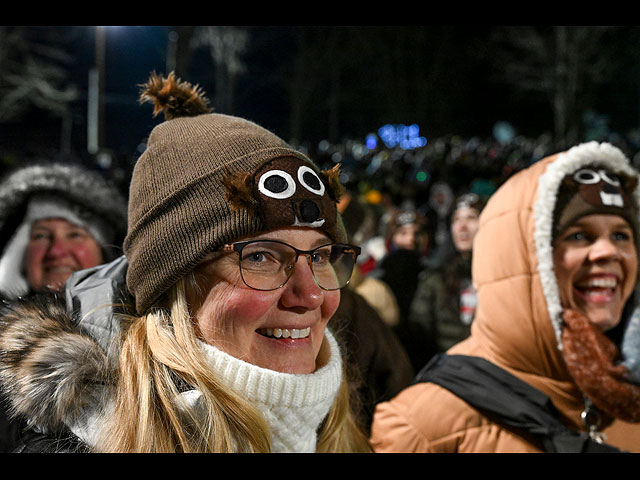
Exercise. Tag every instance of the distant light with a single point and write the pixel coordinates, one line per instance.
(503, 132)
(422, 176)
(324, 145)
(406, 137)
(371, 141)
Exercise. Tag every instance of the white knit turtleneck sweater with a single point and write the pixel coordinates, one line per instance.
(293, 405)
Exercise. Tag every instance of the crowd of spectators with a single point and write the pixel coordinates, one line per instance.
(464, 163)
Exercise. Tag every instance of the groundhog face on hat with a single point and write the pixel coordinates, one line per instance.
(592, 190)
(599, 187)
(288, 192)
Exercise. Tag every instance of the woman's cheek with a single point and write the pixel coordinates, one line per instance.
(331, 303)
(88, 255)
(248, 305)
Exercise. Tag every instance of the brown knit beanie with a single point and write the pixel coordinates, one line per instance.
(209, 179)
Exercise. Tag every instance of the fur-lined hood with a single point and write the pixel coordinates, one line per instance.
(82, 196)
(518, 323)
(52, 372)
(72, 183)
(548, 185)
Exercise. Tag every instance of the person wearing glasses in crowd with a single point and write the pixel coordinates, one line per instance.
(210, 333)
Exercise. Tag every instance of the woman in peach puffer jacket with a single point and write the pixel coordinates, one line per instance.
(547, 313)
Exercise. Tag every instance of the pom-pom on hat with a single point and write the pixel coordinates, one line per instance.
(208, 179)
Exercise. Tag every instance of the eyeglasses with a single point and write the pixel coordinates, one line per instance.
(268, 264)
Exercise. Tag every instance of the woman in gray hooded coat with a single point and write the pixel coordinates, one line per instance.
(56, 219)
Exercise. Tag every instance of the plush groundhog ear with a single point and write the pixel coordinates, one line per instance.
(239, 194)
(332, 180)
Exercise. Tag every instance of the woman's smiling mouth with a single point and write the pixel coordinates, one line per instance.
(597, 289)
(294, 333)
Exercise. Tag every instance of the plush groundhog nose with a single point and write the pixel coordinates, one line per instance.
(308, 211)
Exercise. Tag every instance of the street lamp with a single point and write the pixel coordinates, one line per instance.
(95, 107)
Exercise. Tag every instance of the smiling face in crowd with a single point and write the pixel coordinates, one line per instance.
(464, 225)
(596, 266)
(281, 329)
(55, 250)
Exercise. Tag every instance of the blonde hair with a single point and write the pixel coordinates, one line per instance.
(159, 352)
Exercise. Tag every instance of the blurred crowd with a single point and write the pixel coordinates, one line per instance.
(412, 211)
(384, 186)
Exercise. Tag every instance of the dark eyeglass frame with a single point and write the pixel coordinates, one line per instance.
(239, 246)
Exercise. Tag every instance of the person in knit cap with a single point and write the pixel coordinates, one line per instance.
(552, 362)
(56, 219)
(209, 334)
(407, 241)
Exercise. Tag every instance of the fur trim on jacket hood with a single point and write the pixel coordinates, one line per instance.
(520, 323)
(519, 326)
(53, 373)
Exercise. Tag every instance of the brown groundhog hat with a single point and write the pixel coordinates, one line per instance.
(208, 179)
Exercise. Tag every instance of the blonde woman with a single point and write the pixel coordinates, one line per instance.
(234, 258)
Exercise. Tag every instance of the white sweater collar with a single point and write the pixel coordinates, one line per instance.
(293, 405)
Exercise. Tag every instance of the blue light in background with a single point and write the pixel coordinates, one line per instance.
(406, 137)
(371, 141)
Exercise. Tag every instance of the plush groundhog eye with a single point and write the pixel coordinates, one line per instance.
(310, 180)
(590, 177)
(277, 184)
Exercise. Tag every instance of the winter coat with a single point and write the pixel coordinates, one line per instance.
(58, 353)
(399, 269)
(515, 328)
(379, 367)
(436, 306)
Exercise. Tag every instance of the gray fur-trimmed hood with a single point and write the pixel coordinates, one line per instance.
(87, 195)
(73, 183)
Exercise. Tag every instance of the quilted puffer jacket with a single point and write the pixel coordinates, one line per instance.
(518, 324)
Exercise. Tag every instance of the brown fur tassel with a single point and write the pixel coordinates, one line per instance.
(332, 178)
(174, 97)
(592, 361)
(239, 193)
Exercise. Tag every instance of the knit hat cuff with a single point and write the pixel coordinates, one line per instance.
(182, 229)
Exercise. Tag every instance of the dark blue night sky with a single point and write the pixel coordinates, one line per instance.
(131, 54)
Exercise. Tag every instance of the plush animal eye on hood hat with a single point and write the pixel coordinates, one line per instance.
(55, 190)
(208, 179)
